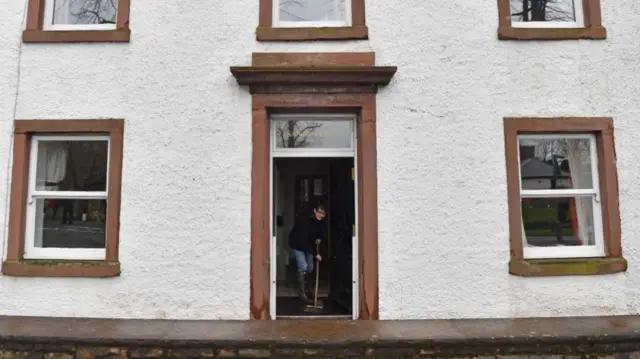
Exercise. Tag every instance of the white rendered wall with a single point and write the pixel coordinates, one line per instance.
(442, 217)
(10, 30)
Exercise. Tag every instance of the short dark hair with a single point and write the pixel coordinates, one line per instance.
(319, 207)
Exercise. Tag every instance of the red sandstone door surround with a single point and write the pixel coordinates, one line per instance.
(337, 82)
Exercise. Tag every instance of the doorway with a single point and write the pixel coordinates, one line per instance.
(308, 171)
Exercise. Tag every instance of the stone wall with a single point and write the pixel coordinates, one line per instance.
(14, 350)
(85, 338)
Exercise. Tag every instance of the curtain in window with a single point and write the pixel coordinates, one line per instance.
(578, 155)
(52, 165)
(56, 162)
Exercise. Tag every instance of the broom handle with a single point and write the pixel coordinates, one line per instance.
(315, 301)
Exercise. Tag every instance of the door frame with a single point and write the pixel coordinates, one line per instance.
(310, 153)
(363, 106)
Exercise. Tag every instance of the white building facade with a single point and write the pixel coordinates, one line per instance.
(172, 135)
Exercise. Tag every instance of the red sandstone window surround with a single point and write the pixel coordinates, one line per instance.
(300, 20)
(546, 20)
(77, 21)
(562, 188)
(64, 209)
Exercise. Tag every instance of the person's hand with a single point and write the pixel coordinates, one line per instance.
(319, 257)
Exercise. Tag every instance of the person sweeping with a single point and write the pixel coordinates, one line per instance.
(302, 240)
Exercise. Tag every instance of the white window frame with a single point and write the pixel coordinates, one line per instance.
(30, 250)
(48, 24)
(578, 13)
(596, 250)
(289, 24)
(312, 152)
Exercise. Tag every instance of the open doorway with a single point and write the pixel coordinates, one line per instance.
(299, 184)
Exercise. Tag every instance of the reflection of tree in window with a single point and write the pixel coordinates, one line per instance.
(546, 150)
(86, 11)
(312, 10)
(295, 134)
(543, 10)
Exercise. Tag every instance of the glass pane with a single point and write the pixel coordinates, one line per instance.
(312, 10)
(543, 10)
(70, 223)
(549, 222)
(313, 134)
(72, 165)
(555, 163)
(84, 12)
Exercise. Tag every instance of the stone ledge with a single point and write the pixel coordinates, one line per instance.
(568, 266)
(74, 338)
(60, 268)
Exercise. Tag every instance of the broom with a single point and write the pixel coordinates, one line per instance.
(316, 307)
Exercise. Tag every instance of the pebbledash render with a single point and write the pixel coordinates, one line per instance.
(153, 155)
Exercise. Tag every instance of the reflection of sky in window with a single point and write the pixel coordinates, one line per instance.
(312, 10)
(555, 10)
(83, 12)
(313, 134)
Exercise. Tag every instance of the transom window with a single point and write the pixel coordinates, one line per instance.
(311, 13)
(80, 14)
(327, 135)
(561, 215)
(67, 197)
(547, 13)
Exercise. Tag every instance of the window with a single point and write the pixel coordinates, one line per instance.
(561, 216)
(65, 198)
(77, 21)
(550, 20)
(80, 15)
(546, 13)
(287, 20)
(331, 134)
(311, 13)
(563, 196)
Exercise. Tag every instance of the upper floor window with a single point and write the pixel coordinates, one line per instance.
(550, 20)
(291, 20)
(80, 15)
(312, 13)
(77, 21)
(546, 13)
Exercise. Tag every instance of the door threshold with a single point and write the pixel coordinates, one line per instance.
(314, 317)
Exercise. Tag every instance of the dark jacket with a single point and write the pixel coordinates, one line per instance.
(304, 234)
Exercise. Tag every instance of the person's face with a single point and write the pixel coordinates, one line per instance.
(320, 214)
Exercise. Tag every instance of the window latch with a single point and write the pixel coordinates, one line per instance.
(597, 198)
